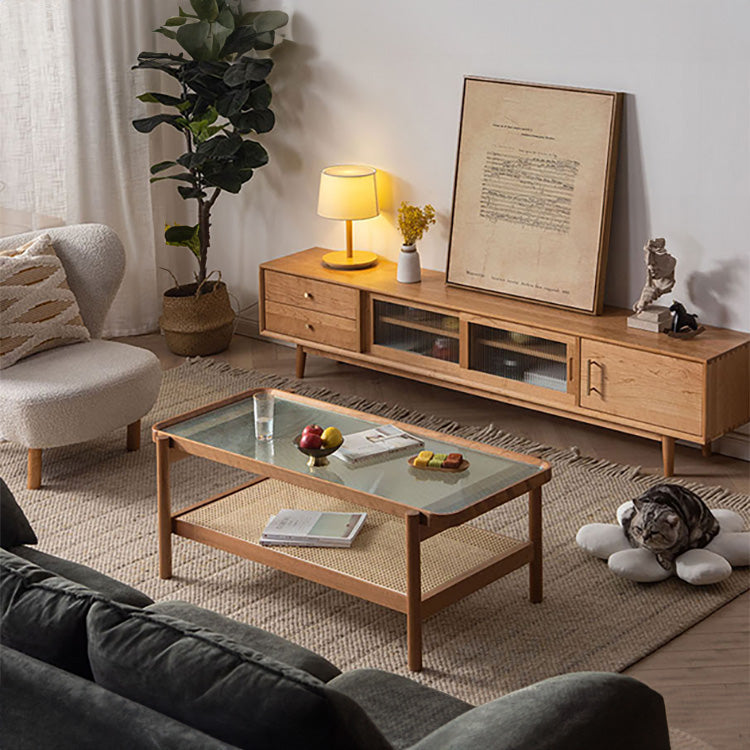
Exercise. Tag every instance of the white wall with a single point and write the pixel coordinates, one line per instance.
(380, 83)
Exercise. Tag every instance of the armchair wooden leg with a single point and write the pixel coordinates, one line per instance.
(134, 435)
(34, 470)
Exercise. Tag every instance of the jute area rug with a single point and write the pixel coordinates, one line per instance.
(98, 507)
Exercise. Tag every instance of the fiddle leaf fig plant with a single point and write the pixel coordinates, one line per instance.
(222, 99)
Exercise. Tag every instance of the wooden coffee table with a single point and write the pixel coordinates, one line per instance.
(415, 554)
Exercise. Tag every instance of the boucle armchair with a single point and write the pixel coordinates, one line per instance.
(75, 393)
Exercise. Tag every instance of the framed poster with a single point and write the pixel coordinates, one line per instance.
(532, 198)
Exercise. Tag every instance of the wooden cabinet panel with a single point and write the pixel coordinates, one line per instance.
(313, 326)
(319, 296)
(651, 388)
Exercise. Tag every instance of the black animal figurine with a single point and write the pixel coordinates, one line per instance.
(682, 320)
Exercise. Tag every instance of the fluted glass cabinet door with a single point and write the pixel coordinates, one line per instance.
(414, 330)
(519, 356)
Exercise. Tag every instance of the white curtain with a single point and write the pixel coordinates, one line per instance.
(69, 153)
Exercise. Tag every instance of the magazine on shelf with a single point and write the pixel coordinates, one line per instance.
(311, 528)
(377, 442)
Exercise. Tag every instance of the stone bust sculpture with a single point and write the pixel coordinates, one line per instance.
(660, 267)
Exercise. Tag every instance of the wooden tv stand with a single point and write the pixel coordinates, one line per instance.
(590, 368)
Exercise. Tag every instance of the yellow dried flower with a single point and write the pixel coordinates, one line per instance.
(413, 221)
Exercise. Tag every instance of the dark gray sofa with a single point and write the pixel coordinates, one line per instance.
(90, 662)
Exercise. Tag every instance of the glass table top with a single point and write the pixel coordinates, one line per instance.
(230, 428)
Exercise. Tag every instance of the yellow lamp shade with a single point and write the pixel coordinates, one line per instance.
(348, 192)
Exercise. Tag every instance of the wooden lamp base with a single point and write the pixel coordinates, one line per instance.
(342, 260)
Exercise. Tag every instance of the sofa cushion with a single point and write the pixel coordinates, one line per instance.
(220, 687)
(403, 710)
(82, 574)
(15, 528)
(46, 707)
(44, 615)
(37, 309)
(248, 635)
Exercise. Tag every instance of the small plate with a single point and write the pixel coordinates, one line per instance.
(464, 465)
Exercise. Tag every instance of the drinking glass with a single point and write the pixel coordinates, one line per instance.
(263, 412)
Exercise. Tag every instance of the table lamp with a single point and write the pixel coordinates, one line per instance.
(348, 193)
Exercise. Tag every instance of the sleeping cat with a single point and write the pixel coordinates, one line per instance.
(668, 520)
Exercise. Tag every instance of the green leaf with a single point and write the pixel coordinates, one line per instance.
(221, 146)
(180, 233)
(171, 69)
(248, 18)
(175, 21)
(160, 56)
(183, 14)
(187, 192)
(248, 69)
(183, 176)
(252, 154)
(270, 20)
(229, 180)
(192, 38)
(161, 166)
(259, 120)
(231, 104)
(166, 32)
(147, 124)
(206, 10)
(241, 40)
(265, 41)
(182, 236)
(220, 31)
(156, 97)
(260, 97)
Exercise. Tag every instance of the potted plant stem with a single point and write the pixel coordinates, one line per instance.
(223, 97)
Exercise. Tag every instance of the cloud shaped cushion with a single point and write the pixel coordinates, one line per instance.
(699, 567)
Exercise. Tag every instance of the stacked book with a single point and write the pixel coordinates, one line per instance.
(311, 528)
(655, 318)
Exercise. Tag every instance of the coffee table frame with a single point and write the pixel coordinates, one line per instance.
(419, 524)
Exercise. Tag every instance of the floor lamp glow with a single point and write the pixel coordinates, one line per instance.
(348, 193)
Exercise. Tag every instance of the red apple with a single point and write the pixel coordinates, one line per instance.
(312, 429)
(310, 440)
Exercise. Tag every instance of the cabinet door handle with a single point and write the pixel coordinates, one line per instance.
(590, 388)
(307, 295)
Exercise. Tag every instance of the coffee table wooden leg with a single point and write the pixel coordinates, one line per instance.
(413, 594)
(164, 507)
(535, 537)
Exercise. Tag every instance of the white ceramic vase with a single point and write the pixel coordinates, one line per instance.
(409, 270)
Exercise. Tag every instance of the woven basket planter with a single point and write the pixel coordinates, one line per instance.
(195, 326)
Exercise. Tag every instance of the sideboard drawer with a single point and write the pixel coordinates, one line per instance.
(662, 391)
(311, 325)
(319, 296)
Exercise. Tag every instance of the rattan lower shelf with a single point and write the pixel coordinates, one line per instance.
(374, 565)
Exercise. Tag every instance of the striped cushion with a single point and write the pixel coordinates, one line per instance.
(37, 309)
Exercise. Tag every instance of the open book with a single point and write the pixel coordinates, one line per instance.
(311, 528)
(383, 441)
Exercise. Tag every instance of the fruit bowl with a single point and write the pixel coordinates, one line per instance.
(316, 456)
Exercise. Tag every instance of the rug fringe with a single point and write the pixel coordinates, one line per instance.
(489, 434)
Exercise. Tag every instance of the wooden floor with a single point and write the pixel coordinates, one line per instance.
(704, 674)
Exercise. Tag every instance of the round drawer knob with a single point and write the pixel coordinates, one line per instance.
(308, 326)
(307, 295)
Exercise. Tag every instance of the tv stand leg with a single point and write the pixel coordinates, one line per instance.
(300, 363)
